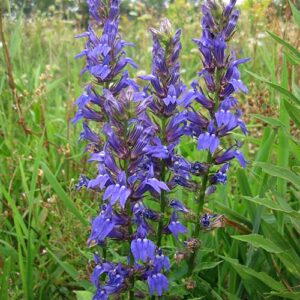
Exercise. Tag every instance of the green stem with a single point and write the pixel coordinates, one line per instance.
(130, 231)
(199, 210)
(162, 210)
(163, 199)
(200, 200)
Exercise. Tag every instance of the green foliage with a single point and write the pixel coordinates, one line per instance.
(44, 222)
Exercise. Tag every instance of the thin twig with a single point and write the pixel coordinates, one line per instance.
(10, 76)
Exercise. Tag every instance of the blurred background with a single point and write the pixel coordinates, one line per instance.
(44, 221)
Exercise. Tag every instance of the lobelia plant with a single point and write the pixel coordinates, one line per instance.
(134, 144)
(219, 116)
(167, 89)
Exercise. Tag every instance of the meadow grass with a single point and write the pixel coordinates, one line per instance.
(44, 221)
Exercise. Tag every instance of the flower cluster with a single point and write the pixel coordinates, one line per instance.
(126, 154)
(167, 90)
(135, 145)
(105, 61)
(125, 175)
(220, 115)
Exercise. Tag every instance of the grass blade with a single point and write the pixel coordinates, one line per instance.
(68, 203)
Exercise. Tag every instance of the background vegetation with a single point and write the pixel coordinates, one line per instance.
(44, 221)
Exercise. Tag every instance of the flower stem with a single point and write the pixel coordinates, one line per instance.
(163, 193)
(201, 198)
(162, 210)
(130, 231)
(199, 210)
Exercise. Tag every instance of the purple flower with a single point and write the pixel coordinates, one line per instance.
(88, 134)
(101, 268)
(199, 169)
(171, 97)
(161, 261)
(118, 192)
(156, 185)
(175, 226)
(231, 154)
(115, 279)
(102, 225)
(206, 220)
(158, 283)
(83, 181)
(209, 139)
(178, 206)
(100, 294)
(222, 80)
(142, 249)
(219, 51)
(228, 9)
(228, 30)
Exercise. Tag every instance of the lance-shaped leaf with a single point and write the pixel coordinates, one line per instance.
(280, 172)
(258, 241)
(285, 44)
(277, 87)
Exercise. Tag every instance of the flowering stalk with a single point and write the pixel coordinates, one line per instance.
(220, 115)
(135, 150)
(121, 151)
(167, 90)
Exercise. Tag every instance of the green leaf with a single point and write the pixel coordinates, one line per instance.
(280, 172)
(258, 241)
(4, 278)
(277, 87)
(69, 204)
(83, 295)
(68, 268)
(271, 121)
(274, 206)
(294, 112)
(207, 265)
(296, 13)
(284, 43)
(291, 261)
(284, 295)
(261, 276)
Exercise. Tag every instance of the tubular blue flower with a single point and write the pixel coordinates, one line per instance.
(229, 155)
(101, 268)
(142, 249)
(228, 30)
(209, 140)
(222, 81)
(88, 134)
(106, 224)
(118, 192)
(178, 206)
(225, 117)
(175, 226)
(134, 147)
(158, 283)
(209, 221)
(206, 220)
(199, 169)
(83, 181)
(100, 294)
(161, 261)
(115, 278)
(102, 225)
(219, 51)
